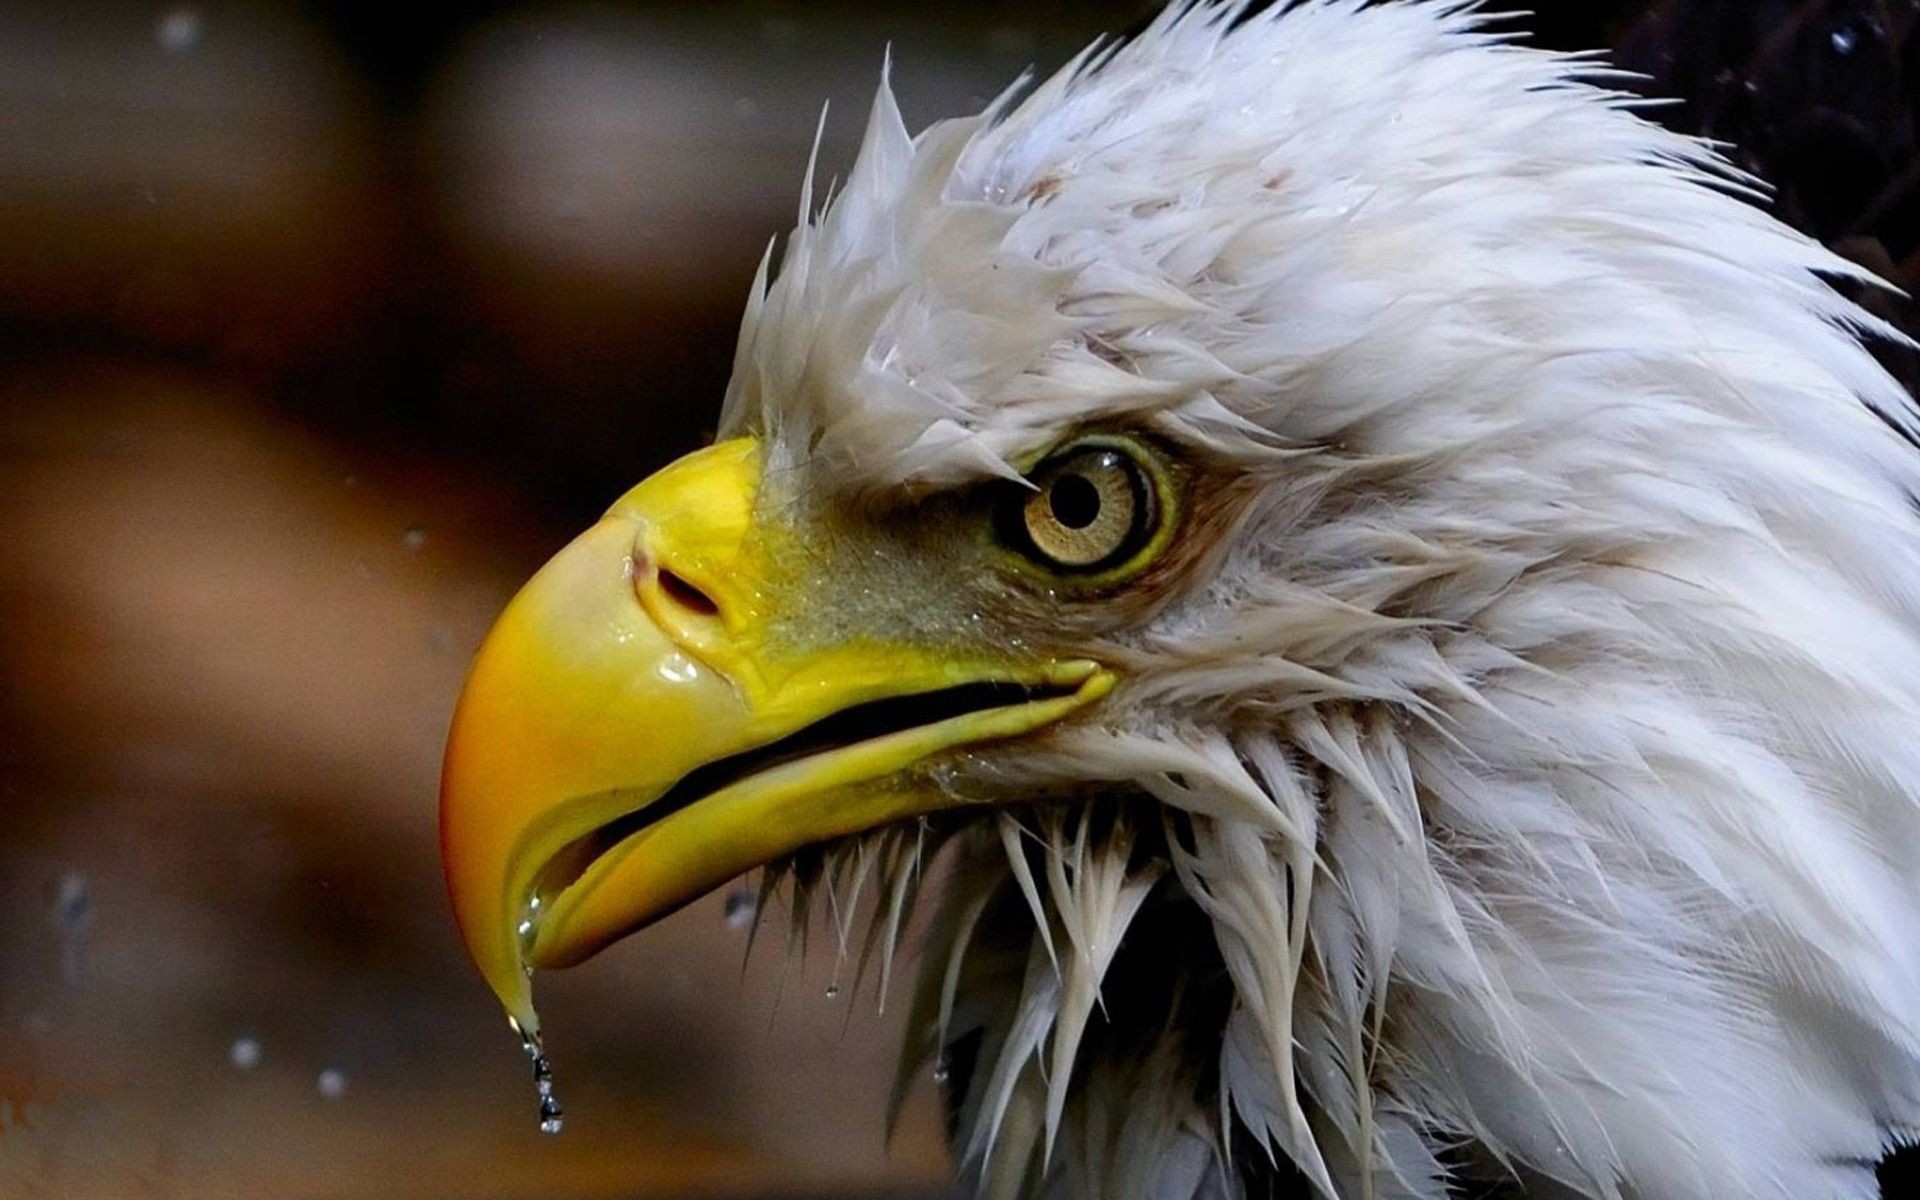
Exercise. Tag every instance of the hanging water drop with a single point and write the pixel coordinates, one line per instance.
(942, 1069)
(552, 1116)
(833, 991)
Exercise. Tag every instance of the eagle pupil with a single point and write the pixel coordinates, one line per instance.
(1075, 501)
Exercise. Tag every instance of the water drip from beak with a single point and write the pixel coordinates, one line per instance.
(552, 1116)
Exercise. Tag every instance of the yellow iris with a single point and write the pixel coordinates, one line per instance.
(1097, 510)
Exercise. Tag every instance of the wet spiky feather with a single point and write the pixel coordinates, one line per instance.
(1517, 777)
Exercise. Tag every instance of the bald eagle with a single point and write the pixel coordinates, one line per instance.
(1390, 586)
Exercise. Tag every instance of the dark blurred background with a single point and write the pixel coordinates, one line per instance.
(321, 325)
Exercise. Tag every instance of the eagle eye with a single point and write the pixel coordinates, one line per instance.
(1092, 508)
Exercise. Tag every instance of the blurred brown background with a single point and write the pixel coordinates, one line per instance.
(321, 325)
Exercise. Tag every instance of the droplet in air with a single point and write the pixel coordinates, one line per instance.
(1844, 40)
(332, 1083)
(72, 900)
(244, 1054)
(72, 913)
(178, 29)
(741, 907)
(414, 537)
(552, 1116)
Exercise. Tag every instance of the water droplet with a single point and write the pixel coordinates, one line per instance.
(244, 1054)
(1844, 40)
(833, 991)
(178, 30)
(71, 912)
(741, 907)
(414, 537)
(72, 900)
(942, 1070)
(332, 1083)
(552, 1116)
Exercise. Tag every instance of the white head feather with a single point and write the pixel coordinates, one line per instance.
(1547, 728)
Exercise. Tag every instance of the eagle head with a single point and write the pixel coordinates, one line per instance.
(1392, 587)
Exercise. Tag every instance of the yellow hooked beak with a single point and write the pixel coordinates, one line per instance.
(635, 731)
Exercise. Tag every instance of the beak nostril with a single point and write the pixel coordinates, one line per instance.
(686, 595)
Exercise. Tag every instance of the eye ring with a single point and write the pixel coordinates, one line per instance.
(1091, 508)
